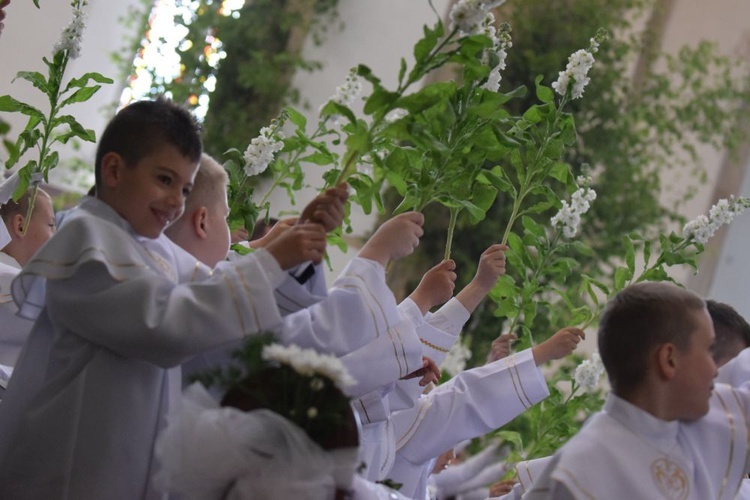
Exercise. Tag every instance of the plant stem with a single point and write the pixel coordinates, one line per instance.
(451, 226)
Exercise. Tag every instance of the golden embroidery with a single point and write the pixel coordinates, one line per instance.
(236, 302)
(5, 298)
(433, 346)
(367, 303)
(520, 382)
(403, 350)
(424, 405)
(249, 296)
(577, 484)
(513, 380)
(670, 479)
(395, 354)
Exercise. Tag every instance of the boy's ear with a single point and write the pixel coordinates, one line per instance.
(111, 168)
(666, 356)
(200, 220)
(17, 225)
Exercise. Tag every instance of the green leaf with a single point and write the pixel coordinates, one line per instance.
(544, 94)
(7, 103)
(81, 95)
(622, 276)
(296, 117)
(629, 254)
(319, 159)
(75, 128)
(85, 78)
(504, 287)
(532, 115)
(37, 79)
(560, 171)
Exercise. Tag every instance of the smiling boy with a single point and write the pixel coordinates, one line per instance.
(666, 431)
(118, 307)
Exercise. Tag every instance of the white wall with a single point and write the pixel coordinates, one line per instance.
(31, 33)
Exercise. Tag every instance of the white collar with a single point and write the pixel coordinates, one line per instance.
(9, 261)
(660, 433)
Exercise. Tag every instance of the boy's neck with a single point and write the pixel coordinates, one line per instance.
(653, 398)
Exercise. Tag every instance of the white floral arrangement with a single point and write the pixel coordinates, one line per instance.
(310, 363)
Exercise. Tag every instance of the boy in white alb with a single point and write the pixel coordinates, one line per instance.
(359, 307)
(665, 431)
(118, 306)
(23, 239)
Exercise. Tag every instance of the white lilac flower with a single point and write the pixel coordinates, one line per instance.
(309, 363)
(502, 44)
(455, 361)
(468, 15)
(260, 151)
(569, 215)
(348, 92)
(579, 64)
(702, 228)
(312, 412)
(587, 373)
(72, 35)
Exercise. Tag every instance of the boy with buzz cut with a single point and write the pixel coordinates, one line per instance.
(358, 308)
(118, 307)
(665, 431)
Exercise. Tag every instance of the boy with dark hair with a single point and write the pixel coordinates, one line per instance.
(665, 431)
(732, 331)
(118, 308)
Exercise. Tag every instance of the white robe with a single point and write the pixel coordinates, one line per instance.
(13, 329)
(624, 453)
(378, 395)
(93, 382)
(471, 404)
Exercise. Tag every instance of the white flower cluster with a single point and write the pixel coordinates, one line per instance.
(455, 361)
(72, 35)
(309, 363)
(469, 15)
(579, 64)
(348, 92)
(703, 227)
(569, 216)
(259, 154)
(587, 374)
(502, 43)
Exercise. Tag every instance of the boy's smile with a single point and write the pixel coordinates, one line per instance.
(151, 194)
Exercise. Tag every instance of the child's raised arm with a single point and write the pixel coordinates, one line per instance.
(327, 208)
(395, 238)
(562, 343)
(301, 243)
(491, 266)
(435, 287)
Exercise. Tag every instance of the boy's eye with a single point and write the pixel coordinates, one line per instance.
(165, 179)
(186, 192)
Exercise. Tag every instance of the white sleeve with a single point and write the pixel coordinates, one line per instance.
(459, 477)
(292, 296)
(736, 371)
(359, 309)
(471, 404)
(150, 317)
(385, 360)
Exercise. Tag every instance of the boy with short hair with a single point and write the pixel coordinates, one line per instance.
(732, 331)
(665, 431)
(118, 306)
(23, 239)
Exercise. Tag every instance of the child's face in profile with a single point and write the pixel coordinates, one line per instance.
(151, 194)
(696, 370)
